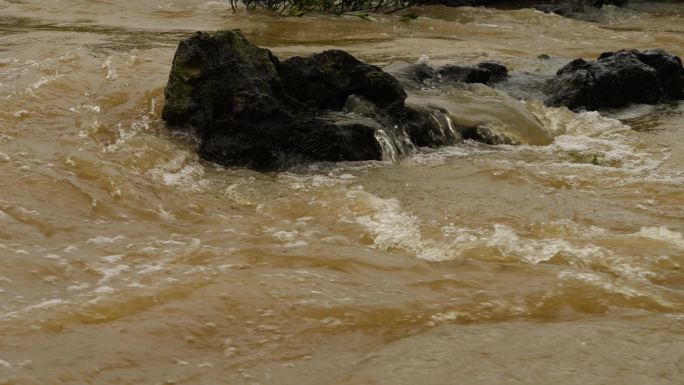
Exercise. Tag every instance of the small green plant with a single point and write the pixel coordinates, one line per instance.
(541, 58)
(409, 17)
(595, 160)
(578, 157)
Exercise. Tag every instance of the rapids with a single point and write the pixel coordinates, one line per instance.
(125, 259)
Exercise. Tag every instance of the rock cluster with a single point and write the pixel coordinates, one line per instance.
(251, 109)
(248, 108)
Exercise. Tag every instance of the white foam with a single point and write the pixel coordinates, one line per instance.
(42, 81)
(112, 258)
(180, 171)
(298, 243)
(423, 59)
(100, 239)
(441, 155)
(165, 214)
(534, 251)
(391, 227)
(611, 285)
(183, 176)
(493, 26)
(70, 248)
(47, 304)
(78, 286)
(285, 236)
(109, 273)
(85, 107)
(662, 234)
(591, 136)
(104, 290)
(111, 72)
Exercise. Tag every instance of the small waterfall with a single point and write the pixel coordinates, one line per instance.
(393, 140)
(389, 149)
(445, 126)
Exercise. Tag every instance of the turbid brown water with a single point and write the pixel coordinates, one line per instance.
(124, 259)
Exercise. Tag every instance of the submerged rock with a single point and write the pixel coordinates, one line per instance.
(617, 79)
(430, 126)
(419, 75)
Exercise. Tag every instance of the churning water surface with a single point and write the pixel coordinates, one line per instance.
(125, 259)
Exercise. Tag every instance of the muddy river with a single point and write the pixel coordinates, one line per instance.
(125, 259)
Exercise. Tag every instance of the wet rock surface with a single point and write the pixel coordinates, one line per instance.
(617, 79)
(248, 108)
(421, 75)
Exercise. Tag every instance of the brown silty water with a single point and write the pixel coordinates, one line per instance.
(125, 259)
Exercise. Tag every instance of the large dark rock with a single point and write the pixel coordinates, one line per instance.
(617, 79)
(328, 78)
(279, 144)
(220, 80)
(250, 109)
